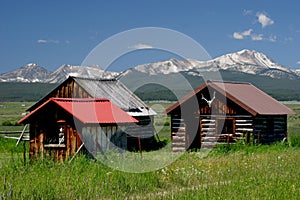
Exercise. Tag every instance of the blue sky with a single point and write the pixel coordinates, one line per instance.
(53, 33)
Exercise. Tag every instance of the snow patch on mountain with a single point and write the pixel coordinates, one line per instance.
(86, 72)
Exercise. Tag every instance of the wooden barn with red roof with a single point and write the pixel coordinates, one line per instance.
(59, 126)
(219, 112)
(78, 108)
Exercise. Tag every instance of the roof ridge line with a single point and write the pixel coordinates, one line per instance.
(94, 79)
(81, 99)
(233, 82)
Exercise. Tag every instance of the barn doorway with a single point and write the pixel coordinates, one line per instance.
(225, 126)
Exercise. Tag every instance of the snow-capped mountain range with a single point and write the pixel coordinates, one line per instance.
(245, 61)
(32, 73)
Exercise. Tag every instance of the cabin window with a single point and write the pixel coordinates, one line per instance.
(56, 134)
(61, 130)
(225, 126)
(61, 134)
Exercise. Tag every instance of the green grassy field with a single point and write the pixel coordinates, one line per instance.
(230, 172)
(11, 113)
(252, 172)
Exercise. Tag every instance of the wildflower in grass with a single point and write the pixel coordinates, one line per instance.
(108, 173)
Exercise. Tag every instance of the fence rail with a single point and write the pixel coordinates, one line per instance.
(12, 132)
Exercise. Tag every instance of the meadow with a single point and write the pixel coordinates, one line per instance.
(227, 172)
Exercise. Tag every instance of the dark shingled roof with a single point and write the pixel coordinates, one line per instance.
(247, 96)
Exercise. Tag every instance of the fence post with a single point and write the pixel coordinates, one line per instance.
(24, 152)
(140, 145)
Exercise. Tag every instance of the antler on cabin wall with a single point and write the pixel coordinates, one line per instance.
(209, 101)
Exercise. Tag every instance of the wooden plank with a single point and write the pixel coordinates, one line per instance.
(208, 129)
(54, 145)
(77, 152)
(73, 142)
(243, 124)
(244, 129)
(21, 136)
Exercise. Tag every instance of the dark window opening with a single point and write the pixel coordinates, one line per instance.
(226, 126)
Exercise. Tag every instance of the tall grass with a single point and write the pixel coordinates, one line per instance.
(251, 172)
(228, 172)
(294, 126)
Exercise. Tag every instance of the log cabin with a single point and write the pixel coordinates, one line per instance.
(60, 127)
(225, 112)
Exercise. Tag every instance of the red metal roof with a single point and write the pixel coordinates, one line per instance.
(89, 110)
(245, 95)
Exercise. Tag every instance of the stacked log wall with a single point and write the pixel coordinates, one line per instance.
(178, 134)
(269, 129)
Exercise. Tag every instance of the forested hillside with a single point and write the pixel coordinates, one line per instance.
(24, 91)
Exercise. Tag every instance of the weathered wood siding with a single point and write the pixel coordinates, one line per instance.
(144, 128)
(41, 147)
(268, 129)
(211, 133)
(208, 134)
(178, 133)
(99, 139)
(70, 90)
(211, 121)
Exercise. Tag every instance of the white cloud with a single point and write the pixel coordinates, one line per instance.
(257, 37)
(43, 41)
(242, 35)
(264, 20)
(272, 38)
(253, 36)
(298, 62)
(238, 36)
(247, 32)
(47, 41)
(247, 12)
(141, 46)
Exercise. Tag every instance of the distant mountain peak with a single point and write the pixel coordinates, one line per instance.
(31, 65)
(246, 51)
(28, 73)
